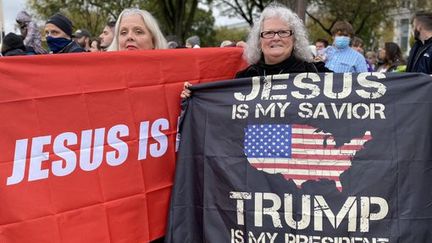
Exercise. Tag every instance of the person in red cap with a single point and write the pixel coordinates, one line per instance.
(58, 32)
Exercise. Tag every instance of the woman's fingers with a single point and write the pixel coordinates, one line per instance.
(186, 85)
(186, 93)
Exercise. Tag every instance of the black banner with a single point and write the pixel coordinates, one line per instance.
(306, 158)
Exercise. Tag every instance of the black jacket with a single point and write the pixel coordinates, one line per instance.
(14, 52)
(72, 47)
(290, 65)
(420, 57)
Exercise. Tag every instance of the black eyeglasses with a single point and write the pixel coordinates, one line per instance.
(281, 33)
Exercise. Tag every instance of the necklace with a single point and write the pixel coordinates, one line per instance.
(264, 72)
(278, 73)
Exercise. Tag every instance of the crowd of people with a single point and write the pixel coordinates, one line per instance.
(277, 43)
(135, 29)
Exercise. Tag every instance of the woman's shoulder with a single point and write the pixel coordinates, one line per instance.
(310, 67)
(250, 71)
(304, 66)
(320, 67)
(299, 66)
(294, 65)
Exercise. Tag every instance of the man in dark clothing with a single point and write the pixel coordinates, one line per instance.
(82, 37)
(13, 45)
(58, 32)
(420, 57)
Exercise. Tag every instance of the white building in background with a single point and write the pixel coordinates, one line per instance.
(402, 25)
(402, 21)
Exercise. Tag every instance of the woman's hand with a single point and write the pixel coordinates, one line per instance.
(186, 93)
(242, 44)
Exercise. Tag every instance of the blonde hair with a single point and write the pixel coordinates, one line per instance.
(159, 40)
(301, 51)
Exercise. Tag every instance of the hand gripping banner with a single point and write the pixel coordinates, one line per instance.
(87, 145)
(306, 158)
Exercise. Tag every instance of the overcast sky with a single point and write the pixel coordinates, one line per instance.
(10, 10)
(12, 7)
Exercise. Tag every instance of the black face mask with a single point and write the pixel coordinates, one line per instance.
(416, 34)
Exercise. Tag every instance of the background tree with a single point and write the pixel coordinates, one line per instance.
(203, 27)
(246, 9)
(250, 9)
(176, 17)
(224, 33)
(419, 5)
(89, 14)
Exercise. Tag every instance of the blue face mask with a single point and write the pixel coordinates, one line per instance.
(341, 42)
(57, 44)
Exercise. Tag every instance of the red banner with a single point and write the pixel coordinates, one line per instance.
(87, 146)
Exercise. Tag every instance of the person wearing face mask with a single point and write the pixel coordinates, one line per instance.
(58, 32)
(341, 58)
(420, 57)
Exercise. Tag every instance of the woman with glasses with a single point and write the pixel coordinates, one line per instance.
(277, 43)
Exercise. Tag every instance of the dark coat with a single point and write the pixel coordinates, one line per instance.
(13, 45)
(72, 47)
(290, 65)
(420, 57)
(14, 52)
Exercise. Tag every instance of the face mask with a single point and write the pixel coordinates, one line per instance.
(416, 34)
(341, 42)
(57, 44)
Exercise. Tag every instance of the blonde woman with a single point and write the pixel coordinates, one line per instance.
(137, 29)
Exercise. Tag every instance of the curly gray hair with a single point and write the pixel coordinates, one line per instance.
(301, 50)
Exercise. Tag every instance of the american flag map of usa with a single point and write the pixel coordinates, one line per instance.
(299, 152)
